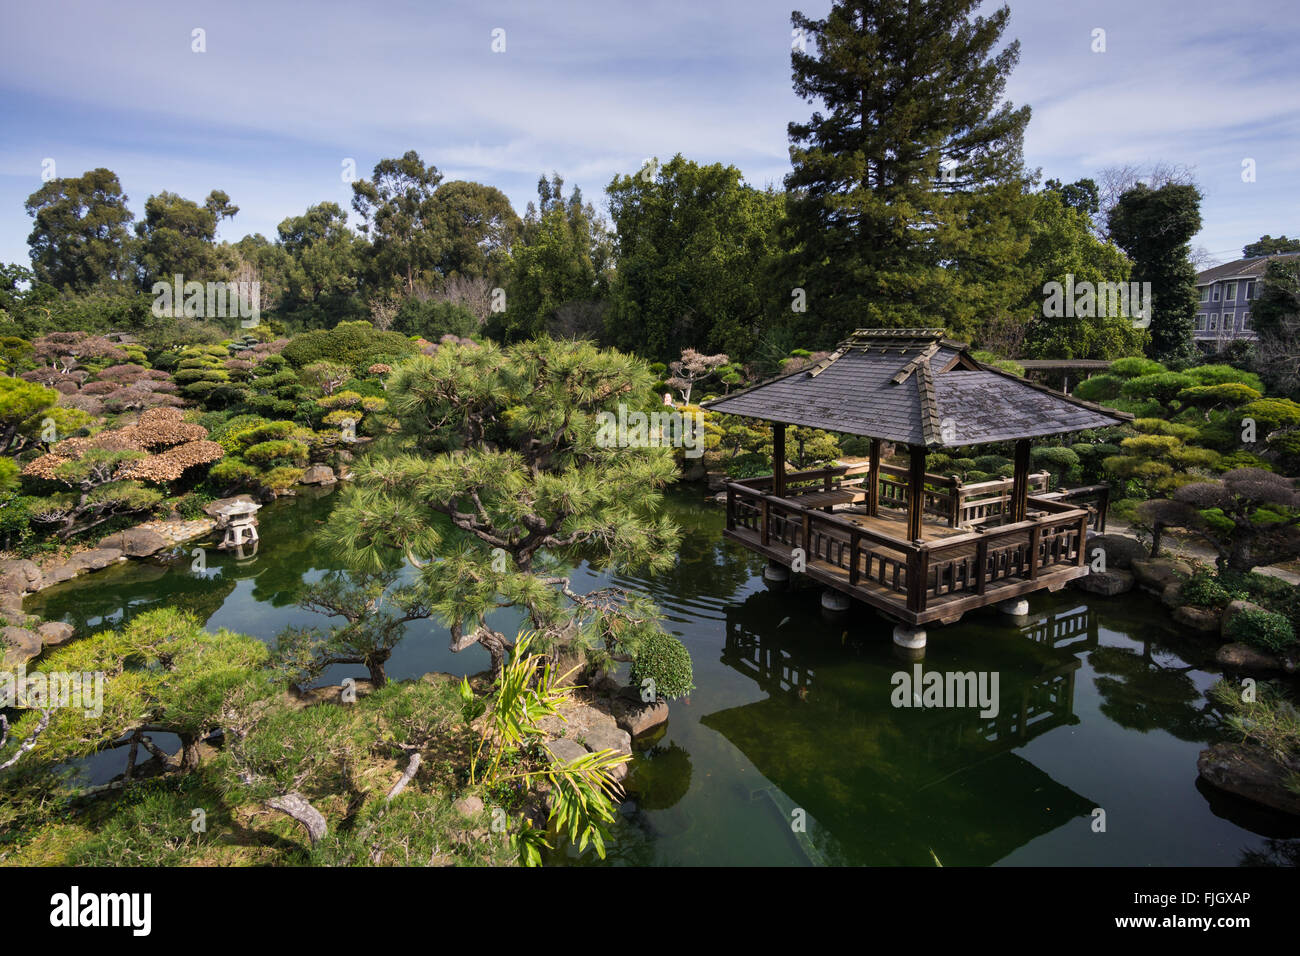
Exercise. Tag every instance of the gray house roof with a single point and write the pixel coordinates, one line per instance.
(915, 387)
(1241, 269)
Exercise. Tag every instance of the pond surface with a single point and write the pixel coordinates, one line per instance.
(791, 751)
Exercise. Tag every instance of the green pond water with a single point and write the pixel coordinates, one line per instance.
(791, 750)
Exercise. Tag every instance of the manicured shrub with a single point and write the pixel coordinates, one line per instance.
(663, 659)
(1271, 413)
(1057, 459)
(1209, 375)
(1099, 388)
(1241, 459)
(990, 463)
(1264, 629)
(1163, 387)
(231, 471)
(357, 344)
(276, 450)
(1135, 367)
(938, 463)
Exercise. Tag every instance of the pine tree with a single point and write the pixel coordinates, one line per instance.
(906, 192)
(499, 473)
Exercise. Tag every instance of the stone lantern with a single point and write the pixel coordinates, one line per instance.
(239, 519)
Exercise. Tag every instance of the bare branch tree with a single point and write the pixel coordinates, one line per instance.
(1114, 181)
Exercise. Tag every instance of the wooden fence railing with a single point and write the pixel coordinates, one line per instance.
(914, 572)
(946, 496)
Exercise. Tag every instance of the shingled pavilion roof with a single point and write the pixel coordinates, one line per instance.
(904, 385)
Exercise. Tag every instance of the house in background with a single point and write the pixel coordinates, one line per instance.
(1227, 293)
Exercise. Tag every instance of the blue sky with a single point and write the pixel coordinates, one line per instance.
(287, 91)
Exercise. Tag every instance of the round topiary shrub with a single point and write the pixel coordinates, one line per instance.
(1264, 629)
(665, 660)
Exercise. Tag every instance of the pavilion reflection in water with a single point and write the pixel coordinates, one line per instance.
(890, 785)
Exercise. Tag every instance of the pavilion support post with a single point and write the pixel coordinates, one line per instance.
(778, 459)
(915, 490)
(1020, 481)
(873, 492)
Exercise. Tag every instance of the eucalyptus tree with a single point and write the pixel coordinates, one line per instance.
(400, 217)
(499, 469)
(80, 235)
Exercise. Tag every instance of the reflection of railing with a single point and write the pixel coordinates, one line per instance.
(1045, 701)
(916, 572)
(1058, 629)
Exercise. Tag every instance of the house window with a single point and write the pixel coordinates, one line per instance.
(1216, 293)
(1200, 322)
(1250, 290)
(1230, 292)
(1214, 322)
(1245, 322)
(1205, 293)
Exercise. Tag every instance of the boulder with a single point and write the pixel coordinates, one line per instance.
(11, 604)
(1251, 773)
(1244, 657)
(136, 542)
(81, 562)
(1198, 619)
(468, 806)
(1120, 551)
(19, 576)
(212, 507)
(1231, 611)
(563, 750)
(1108, 583)
(319, 475)
(94, 559)
(19, 644)
(637, 717)
(608, 737)
(1156, 574)
(54, 632)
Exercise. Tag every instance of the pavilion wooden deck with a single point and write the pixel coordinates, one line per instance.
(970, 553)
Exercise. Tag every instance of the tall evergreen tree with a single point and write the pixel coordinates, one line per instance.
(906, 196)
(80, 236)
(1154, 227)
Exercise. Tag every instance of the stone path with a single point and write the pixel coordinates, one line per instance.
(1195, 550)
(180, 530)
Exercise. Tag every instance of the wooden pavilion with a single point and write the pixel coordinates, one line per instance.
(919, 547)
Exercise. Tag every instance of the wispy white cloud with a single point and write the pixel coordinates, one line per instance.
(286, 91)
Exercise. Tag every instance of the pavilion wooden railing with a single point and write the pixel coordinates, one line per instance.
(1095, 498)
(915, 572)
(971, 562)
(992, 499)
(959, 504)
